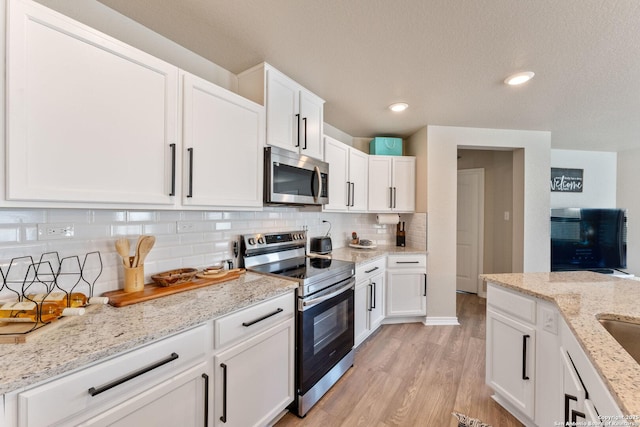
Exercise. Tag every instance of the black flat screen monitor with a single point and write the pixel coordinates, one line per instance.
(588, 239)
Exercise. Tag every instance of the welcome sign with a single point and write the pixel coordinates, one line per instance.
(566, 180)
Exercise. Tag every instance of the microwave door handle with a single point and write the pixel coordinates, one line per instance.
(319, 175)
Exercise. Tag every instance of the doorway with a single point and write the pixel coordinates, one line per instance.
(470, 230)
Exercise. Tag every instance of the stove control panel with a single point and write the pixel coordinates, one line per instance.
(267, 241)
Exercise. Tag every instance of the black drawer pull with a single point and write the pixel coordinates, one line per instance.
(524, 357)
(407, 262)
(223, 418)
(93, 391)
(372, 270)
(206, 399)
(260, 319)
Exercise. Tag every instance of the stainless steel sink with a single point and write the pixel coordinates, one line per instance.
(626, 333)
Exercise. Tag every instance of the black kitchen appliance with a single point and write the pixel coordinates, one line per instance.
(325, 315)
(320, 245)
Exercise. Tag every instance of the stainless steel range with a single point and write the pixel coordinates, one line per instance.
(324, 322)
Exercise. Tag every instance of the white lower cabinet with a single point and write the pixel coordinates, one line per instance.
(254, 380)
(369, 299)
(536, 367)
(126, 389)
(254, 363)
(406, 287)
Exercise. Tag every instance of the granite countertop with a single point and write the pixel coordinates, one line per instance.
(105, 331)
(582, 298)
(359, 256)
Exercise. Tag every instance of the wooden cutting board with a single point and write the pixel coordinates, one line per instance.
(120, 298)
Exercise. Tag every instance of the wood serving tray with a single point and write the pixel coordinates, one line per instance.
(120, 298)
(19, 333)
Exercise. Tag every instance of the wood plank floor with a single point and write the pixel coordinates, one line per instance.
(414, 375)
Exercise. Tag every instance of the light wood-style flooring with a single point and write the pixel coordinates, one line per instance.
(414, 375)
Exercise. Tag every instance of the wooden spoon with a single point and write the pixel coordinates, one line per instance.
(145, 243)
(122, 247)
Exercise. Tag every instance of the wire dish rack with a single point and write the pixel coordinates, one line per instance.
(24, 277)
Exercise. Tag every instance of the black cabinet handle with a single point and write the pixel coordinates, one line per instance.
(372, 270)
(94, 391)
(206, 399)
(373, 295)
(305, 133)
(190, 192)
(395, 193)
(298, 128)
(425, 285)
(525, 338)
(390, 197)
(353, 194)
(260, 319)
(407, 262)
(223, 418)
(173, 169)
(348, 194)
(370, 286)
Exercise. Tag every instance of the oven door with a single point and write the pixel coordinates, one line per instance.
(325, 332)
(294, 179)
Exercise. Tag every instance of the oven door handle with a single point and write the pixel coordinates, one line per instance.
(328, 296)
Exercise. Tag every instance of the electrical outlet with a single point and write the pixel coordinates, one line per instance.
(549, 322)
(55, 231)
(185, 227)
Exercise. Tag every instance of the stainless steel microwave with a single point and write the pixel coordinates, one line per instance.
(294, 179)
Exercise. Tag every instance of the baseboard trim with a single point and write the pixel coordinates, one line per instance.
(441, 321)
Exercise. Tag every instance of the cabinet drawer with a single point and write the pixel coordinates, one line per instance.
(370, 269)
(407, 261)
(110, 382)
(512, 303)
(251, 320)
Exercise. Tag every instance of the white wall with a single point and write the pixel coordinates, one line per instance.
(599, 179)
(443, 142)
(627, 197)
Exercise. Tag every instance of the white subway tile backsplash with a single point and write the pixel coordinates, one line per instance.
(207, 239)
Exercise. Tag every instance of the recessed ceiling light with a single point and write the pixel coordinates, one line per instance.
(398, 106)
(519, 78)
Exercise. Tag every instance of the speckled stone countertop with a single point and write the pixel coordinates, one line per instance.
(106, 330)
(582, 298)
(364, 255)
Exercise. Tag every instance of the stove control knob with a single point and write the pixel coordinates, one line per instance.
(252, 241)
(261, 240)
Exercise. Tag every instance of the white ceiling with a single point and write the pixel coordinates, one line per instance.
(446, 58)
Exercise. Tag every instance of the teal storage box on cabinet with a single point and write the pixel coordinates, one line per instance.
(385, 146)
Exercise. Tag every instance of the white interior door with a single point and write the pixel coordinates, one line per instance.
(470, 228)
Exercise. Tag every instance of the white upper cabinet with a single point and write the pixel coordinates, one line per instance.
(89, 119)
(392, 183)
(294, 114)
(348, 177)
(223, 136)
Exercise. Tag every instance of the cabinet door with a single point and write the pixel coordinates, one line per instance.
(511, 360)
(380, 191)
(406, 293)
(361, 312)
(376, 304)
(311, 118)
(223, 139)
(359, 177)
(179, 401)
(89, 119)
(337, 155)
(283, 122)
(404, 184)
(254, 380)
